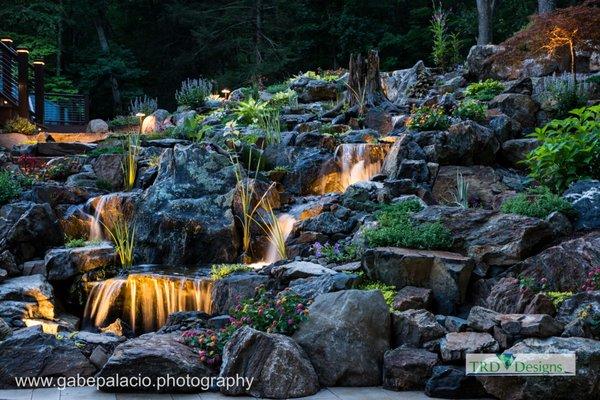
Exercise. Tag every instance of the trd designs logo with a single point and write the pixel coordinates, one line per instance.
(521, 364)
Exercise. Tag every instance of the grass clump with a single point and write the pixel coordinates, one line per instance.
(122, 234)
(123, 121)
(220, 271)
(10, 187)
(397, 229)
(537, 202)
(98, 151)
(484, 90)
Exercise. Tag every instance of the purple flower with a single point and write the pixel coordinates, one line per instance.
(318, 248)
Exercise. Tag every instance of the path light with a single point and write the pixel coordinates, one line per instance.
(226, 93)
(141, 116)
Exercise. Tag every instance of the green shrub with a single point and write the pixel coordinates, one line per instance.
(276, 88)
(193, 92)
(250, 111)
(538, 202)
(123, 121)
(75, 242)
(395, 228)
(558, 297)
(338, 253)
(98, 151)
(388, 291)
(103, 184)
(594, 79)
(484, 90)
(563, 96)
(10, 188)
(471, 109)
(569, 150)
(250, 92)
(428, 118)
(220, 271)
(20, 125)
(285, 98)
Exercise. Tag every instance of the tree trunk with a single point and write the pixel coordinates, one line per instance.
(364, 82)
(257, 41)
(546, 6)
(114, 84)
(485, 14)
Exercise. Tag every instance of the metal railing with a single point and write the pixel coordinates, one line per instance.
(9, 86)
(63, 109)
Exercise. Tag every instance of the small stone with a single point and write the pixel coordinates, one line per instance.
(410, 297)
(450, 382)
(456, 345)
(482, 319)
(415, 327)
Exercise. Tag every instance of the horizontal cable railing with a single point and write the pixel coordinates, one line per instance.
(8, 73)
(63, 109)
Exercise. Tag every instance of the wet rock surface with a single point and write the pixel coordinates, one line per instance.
(346, 336)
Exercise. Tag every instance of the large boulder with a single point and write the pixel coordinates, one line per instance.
(446, 274)
(584, 385)
(494, 238)
(97, 126)
(478, 64)
(277, 366)
(400, 85)
(414, 328)
(407, 368)
(27, 230)
(507, 296)
(31, 353)
(109, 168)
(521, 107)
(487, 188)
(312, 90)
(311, 287)
(579, 314)
(585, 197)
(26, 297)
(65, 263)
(155, 356)
(566, 266)
(185, 217)
(514, 151)
(345, 337)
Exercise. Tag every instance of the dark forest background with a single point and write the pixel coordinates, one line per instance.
(150, 46)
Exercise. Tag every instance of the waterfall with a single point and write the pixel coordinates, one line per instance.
(96, 231)
(145, 301)
(358, 163)
(286, 224)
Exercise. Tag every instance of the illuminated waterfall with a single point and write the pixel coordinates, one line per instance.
(145, 301)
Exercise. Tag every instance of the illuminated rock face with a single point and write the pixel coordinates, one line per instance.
(144, 301)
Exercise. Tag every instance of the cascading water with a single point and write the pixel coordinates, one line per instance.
(286, 223)
(96, 231)
(145, 300)
(354, 162)
(358, 162)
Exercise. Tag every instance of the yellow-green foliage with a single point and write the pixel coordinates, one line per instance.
(220, 271)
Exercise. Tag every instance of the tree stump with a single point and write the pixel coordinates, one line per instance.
(364, 82)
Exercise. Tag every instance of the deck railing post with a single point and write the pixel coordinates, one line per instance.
(5, 67)
(38, 73)
(23, 64)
